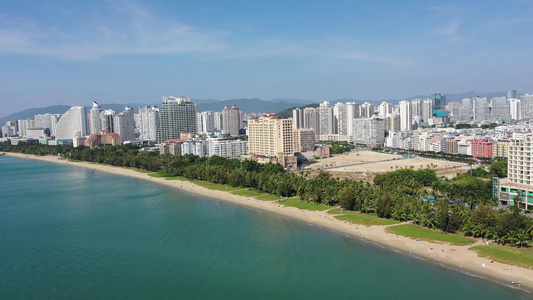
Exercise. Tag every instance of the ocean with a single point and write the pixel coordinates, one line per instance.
(71, 233)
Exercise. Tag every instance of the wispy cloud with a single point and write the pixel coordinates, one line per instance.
(451, 32)
(128, 28)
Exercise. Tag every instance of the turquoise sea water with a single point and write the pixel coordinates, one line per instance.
(71, 233)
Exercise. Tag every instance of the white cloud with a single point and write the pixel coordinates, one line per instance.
(127, 28)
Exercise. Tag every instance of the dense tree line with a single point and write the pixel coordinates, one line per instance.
(463, 203)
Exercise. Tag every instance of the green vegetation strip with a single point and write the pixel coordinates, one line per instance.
(521, 257)
(215, 186)
(364, 219)
(304, 205)
(143, 171)
(268, 197)
(249, 193)
(159, 175)
(177, 178)
(435, 236)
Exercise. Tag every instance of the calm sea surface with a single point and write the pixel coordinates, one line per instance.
(71, 233)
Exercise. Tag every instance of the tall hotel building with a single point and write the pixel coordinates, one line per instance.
(231, 120)
(271, 135)
(177, 115)
(96, 121)
(519, 181)
(72, 124)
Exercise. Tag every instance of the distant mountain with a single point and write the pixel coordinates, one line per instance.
(246, 105)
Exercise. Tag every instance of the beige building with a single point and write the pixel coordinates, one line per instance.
(500, 149)
(519, 181)
(272, 136)
(172, 146)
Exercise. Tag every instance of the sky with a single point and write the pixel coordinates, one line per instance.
(74, 52)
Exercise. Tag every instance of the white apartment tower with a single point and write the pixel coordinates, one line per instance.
(148, 121)
(96, 122)
(327, 120)
(526, 106)
(352, 112)
(384, 109)
(427, 109)
(341, 119)
(406, 116)
(125, 124)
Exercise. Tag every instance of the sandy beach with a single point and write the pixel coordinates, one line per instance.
(455, 257)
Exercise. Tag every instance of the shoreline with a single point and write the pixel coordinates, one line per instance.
(457, 258)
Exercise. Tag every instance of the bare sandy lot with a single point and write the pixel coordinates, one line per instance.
(368, 162)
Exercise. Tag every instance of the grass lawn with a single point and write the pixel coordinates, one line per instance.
(249, 192)
(160, 175)
(268, 197)
(177, 178)
(143, 171)
(425, 234)
(294, 202)
(364, 219)
(521, 257)
(215, 186)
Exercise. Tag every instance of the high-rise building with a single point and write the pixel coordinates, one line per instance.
(515, 109)
(340, 119)
(352, 112)
(311, 118)
(148, 121)
(439, 101)
(95, 120)
(367, 110)
(427, 109)
(107, 119)
(416, 104)
(519, 181)
(217, 121)
(231, 120)
(499, 109)
(480, 108)
(327, 120)
(48, 121)
(304, 140)
(271, 135)
(406, 116)
(465, 112)
(125, 124)
(206, 122)
(72, 124)
(384, 109)
(511, 94)
(297, 118)
(369, 131)
(526, 107)
(177, 115)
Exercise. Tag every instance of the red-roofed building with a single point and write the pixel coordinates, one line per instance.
(103, 138)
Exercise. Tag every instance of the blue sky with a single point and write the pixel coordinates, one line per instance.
(73, 52)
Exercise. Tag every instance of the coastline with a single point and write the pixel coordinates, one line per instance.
(457, 258)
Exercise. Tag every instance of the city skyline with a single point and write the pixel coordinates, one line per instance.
(135, 51)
